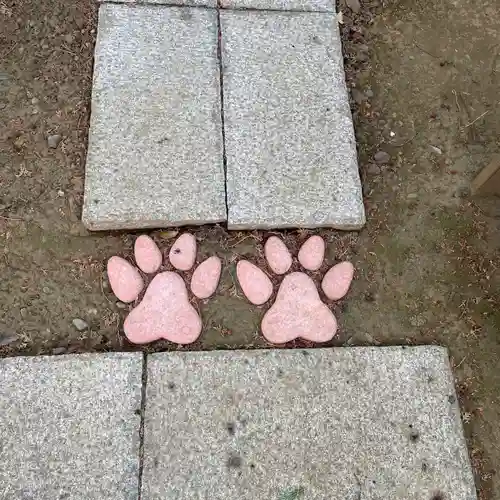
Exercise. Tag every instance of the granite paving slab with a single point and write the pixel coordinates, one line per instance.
(290, 5)
(69, 427)
(155, 142)
(345, 423)
(175, 3)
(290, 146)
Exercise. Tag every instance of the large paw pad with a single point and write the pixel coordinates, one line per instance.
(165, 311)
(298, 311)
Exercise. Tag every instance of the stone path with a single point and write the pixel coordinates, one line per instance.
(165, 310)
(204, 115)
(155, 143)
(346, 423)
(69, 427)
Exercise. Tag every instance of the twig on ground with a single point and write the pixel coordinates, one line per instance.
(478, 118)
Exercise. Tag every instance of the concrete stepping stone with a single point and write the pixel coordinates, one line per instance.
(187, 3)
(344, 423)
(69, 427)
(287, 5)
(155, 142)
(290, 146)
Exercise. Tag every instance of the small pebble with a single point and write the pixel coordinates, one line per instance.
(19, 143)
(53, 141)
(80, 325)
(34, 100)
(354, 5)
(6, 339)
(358, 96)
(373, 169)
(369, 93)
(121, 305)
(382, 157)
(436, 150)
(59, 350)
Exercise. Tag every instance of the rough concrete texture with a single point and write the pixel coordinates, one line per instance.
(185, 3)
(291, 152)
(69, 427)
(350, 423)
(155, 142)
(300, 5)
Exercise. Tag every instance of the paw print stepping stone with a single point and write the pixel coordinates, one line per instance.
(290, 145)
(298, 311)
(155, 141)
(165, 311)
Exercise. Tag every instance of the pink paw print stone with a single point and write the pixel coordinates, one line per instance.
(164, 311)
(298, 311)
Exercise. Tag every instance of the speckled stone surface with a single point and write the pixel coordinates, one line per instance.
(290, 147)
(164, 313)
(254, 282)
(298, 312)
(312, 253)
(299, 5)
(192, 3)
(155, 141)
(344, 423)
(69, 427)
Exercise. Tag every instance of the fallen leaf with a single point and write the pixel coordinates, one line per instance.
(168, 235)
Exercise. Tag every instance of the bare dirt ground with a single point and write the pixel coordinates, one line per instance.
(424, 79)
